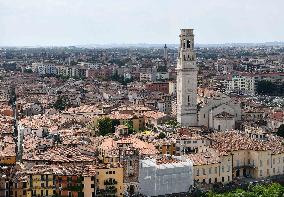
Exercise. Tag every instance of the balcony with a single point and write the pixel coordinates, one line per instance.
(244, 166)
(110, 182)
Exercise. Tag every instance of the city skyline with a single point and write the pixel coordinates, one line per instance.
(67, 23)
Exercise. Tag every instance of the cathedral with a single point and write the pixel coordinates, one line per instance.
(219, 113)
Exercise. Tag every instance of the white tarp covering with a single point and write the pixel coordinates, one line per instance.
(160, 179)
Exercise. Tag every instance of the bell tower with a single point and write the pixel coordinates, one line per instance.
(187, 80)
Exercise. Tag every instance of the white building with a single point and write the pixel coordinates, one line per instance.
(187, 80)
(219, 113)
(161, 177)
(162, 75)
(46, 69)
(148, 76)
(239, 83)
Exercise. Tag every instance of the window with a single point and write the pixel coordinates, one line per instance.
(188, 44)
(223, 169)
(260, 163)
(197, 172)
(223, 179)
(216, 170)
(204, 173)
(209, 170)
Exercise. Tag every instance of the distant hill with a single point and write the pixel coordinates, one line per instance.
(146, 45)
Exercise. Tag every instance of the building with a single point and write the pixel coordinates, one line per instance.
(165, 104)
(147, 76)
(241, 84)
(220, 113)
(46, 69)
(211, 167)
(158, 87)
(187, 80)
(109, 180)
(165, 176)
(190, 143)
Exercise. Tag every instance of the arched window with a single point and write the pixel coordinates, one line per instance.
(188, 44)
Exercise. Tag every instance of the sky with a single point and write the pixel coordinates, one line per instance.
(80, 22)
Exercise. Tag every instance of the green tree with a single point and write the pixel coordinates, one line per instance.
(161, 135)
(280, 131)
(106, 126)
(272, 190)
(173, 123)
(62, 103)
(265, 87)
(129, 124)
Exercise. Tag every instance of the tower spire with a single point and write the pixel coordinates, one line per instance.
(165, 52)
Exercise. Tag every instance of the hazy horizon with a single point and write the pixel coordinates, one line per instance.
(110, 22)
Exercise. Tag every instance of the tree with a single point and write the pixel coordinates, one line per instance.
(107, 126)
(161, 135)
(265, 87)
(173, 123)
(274, 189)
(129, 124)
(61, 103)
(280, 131)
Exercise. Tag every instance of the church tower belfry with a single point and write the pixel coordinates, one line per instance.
(187, 80)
